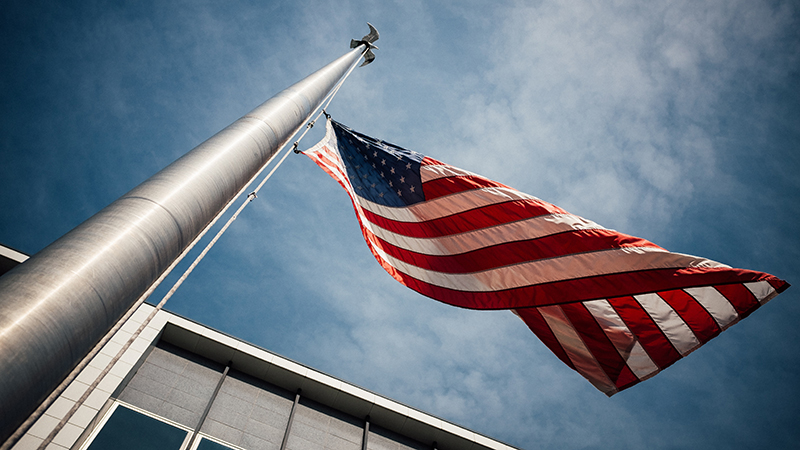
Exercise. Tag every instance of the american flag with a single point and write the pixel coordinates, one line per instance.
(616, 308)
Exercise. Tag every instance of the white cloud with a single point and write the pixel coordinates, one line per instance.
(610, 111)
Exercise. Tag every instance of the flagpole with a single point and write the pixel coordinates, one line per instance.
(58, 304)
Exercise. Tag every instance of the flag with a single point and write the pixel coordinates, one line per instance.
(616, 308)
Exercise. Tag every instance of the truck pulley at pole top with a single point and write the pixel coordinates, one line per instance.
(59, 303)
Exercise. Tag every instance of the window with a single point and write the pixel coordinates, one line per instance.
(127, 429)
(206, 444)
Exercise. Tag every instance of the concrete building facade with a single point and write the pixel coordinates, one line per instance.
(166, 382)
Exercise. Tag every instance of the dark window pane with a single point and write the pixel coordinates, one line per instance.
(205, 444)
(129, 430)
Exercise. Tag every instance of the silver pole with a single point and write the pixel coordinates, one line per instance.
(58, 304)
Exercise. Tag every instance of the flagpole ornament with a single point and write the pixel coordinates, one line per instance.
(59, 303)
(615, 308)
(368, 41)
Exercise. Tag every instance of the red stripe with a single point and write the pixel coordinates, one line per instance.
(779, 285)
(428, 161)
(320, 157)
(626, 378)
(578, 241)
(740, 297)
(534, 320)
(617, 288)
(451, 185)
(470, 220)
(596, 340)
(649, 334)
(699, 320)
(581, 289)
(326, 163)
(478, 218)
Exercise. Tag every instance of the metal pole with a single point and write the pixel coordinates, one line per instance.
(60, 302)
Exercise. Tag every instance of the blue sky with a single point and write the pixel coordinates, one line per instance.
(675, 121)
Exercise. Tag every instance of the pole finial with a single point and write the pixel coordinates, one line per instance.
(368, 40)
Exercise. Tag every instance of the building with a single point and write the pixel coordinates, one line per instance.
(181, 385)
(9, 258)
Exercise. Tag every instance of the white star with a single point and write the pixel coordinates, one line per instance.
(382, 175)
(365, 175)
(383, 162)
(392, 170)
(380, 195)
(373, 166)
(399, 194)
(411, 188)
(408, 166)
(373, 186)
(374, 154)
(402, 179)
(358, 167)
(390, 184)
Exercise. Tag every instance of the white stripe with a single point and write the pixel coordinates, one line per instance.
(432, 209)
(532, 272)
(335, 167)
(533, 228)
(323, 156)
(496, 279)
(624, 341)
(336, 174)
(670, 322)
(329, 139)
(447, 205)
(462, 242)
(434, 172)
(763, 291)
(429, 210)
(583, 360)
(553, 269)
(716, 304)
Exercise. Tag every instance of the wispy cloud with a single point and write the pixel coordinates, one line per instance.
(674, 121)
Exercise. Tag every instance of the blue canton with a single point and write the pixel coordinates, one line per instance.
(380, 172)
